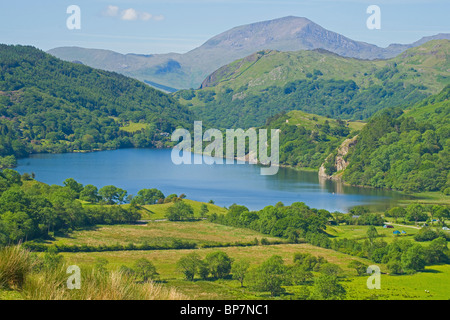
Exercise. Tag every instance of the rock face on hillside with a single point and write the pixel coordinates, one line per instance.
(339, 161)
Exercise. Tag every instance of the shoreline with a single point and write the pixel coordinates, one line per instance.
(429, 197)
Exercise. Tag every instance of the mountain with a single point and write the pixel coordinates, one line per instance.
(183, 71)
(247, 91)
(49, 105)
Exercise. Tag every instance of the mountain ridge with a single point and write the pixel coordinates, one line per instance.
(283, 34)
(317, 81)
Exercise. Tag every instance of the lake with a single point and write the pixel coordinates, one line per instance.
(136, 169)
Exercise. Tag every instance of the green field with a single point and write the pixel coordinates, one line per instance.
(436, 280)
(161, 233)
(165, 263)
(359, 232)
(133, 127)
(158, 211)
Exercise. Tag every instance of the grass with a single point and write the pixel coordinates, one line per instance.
(22, 276)
(15, 265)
(427, 198)
(173, 286)
(310, 121)
(435, 279)
(95, 285)
(158, 211)
(133, 127)
(360, 232)
(161, 232)
(165, 260)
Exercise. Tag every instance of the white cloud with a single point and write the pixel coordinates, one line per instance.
(145, 16)
(111, 11)
(130, 14)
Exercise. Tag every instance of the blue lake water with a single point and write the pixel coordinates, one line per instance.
(136, 169)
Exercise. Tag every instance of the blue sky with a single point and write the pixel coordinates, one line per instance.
(156, 26)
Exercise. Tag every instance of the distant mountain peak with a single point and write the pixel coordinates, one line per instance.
(183, 71)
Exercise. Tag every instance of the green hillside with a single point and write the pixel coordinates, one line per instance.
(405, 150)
(307, 139)
(267, 82)
(48, 105)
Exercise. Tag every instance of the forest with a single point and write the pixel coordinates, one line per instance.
(405, 150)
(48, 105)
(332, 98)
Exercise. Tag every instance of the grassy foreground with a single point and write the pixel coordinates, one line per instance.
(432, 284)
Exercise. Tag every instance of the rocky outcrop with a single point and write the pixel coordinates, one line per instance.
(339, 160)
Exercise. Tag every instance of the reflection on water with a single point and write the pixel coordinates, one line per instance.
(135, 169)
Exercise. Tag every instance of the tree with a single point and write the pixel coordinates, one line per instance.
(239, 270)
(437, 251)
(413, 259)
(219, 264)
(300, 275)
(148, 196)
(415, 212)
(372, 233)
(189, 265)
(394, 266)
(327, 287)
(360, 267)
(179, 211)
(145, 270)
(18, 225)
(442, 213)
(359, 210)
(111, 194)
(397, 212)
(89, 194)
(73, 185)
(331, 269)
(270, 276)
(203, 210)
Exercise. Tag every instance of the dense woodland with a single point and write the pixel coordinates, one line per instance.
(405, 150)
(331, 98)
(48, 105)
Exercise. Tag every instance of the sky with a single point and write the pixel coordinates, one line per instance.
(157, 26)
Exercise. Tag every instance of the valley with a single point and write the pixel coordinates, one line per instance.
(87, 178)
